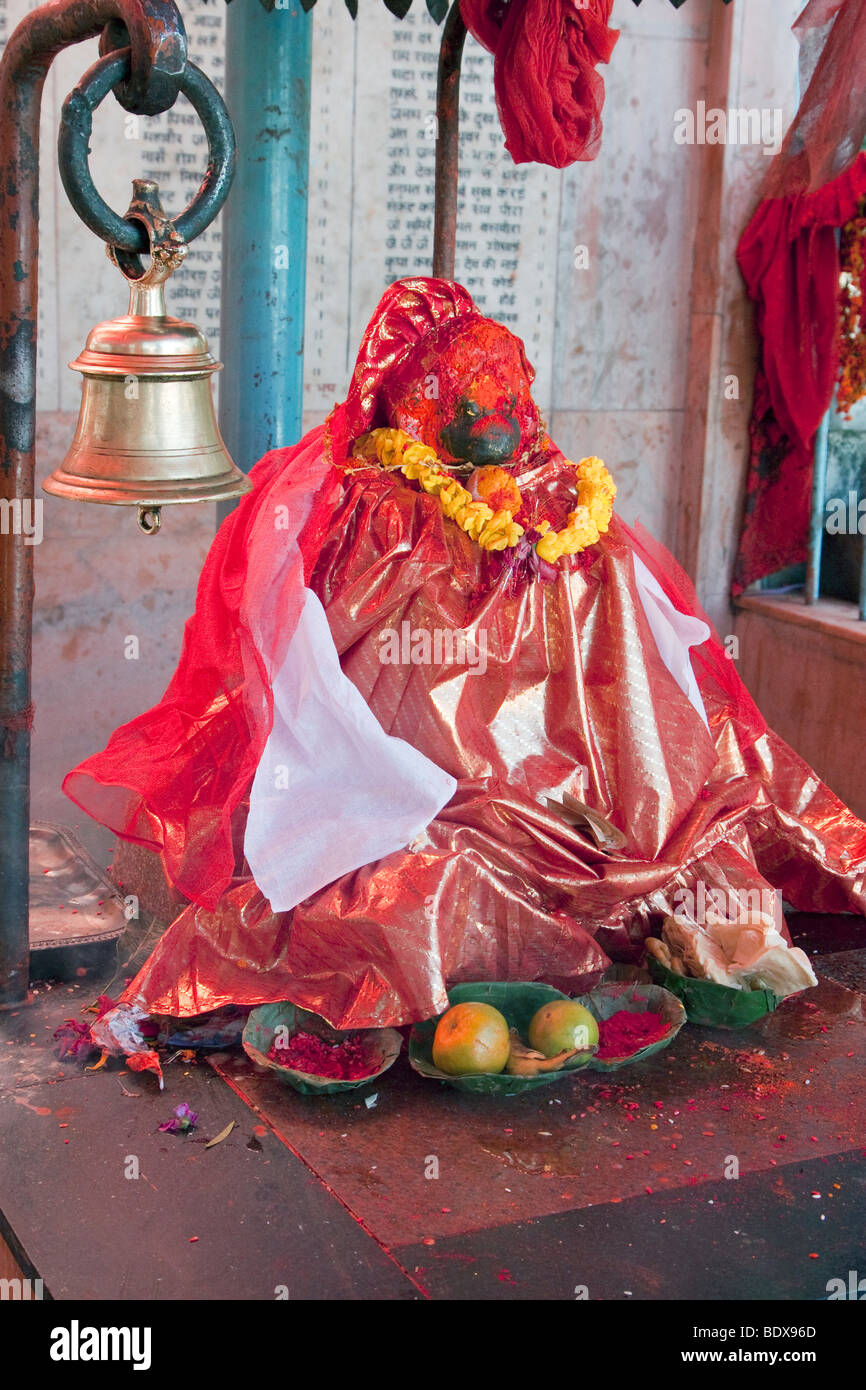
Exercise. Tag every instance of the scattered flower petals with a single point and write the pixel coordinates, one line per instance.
(347, 1060)
(145, 1061)
(183, 1120)
(72, 1039)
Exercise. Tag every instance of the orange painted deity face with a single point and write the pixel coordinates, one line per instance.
(466, 392)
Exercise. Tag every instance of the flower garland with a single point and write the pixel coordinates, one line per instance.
(494, 526)
(852, 313)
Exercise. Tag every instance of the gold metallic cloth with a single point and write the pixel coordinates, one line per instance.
(575, 706)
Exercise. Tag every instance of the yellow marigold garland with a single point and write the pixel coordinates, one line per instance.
(496, 530)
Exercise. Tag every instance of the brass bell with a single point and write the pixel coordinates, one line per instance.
(147, 434)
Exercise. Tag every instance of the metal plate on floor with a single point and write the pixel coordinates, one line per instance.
(72, 900)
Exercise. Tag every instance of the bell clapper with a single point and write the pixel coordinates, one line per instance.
(149, 520)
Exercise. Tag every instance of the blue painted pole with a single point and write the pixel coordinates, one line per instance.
(268, 77)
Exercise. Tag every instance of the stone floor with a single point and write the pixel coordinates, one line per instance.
(729, 1166)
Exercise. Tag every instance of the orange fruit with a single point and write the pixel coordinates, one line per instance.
(561, 1025)
(471, 1038)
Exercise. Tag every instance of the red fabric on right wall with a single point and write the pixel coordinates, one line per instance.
(790, 261)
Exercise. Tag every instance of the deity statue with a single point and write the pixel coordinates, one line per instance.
(442, 716)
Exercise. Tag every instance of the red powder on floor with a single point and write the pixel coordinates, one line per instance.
(626, 1032)
(348, 1060)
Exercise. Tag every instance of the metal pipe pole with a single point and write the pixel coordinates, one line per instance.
(448, 144)
(264, 236)
(821, 453)
(817, 517)
(155, 31)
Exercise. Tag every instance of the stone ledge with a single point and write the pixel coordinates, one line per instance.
(831, 616)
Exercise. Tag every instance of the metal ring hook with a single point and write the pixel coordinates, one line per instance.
(166, 247)
(76, 128)
(155, 32)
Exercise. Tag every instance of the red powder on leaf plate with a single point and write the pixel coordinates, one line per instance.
(347, 1060)
(626, 1032)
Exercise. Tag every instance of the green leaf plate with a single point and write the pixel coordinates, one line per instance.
(638, 997)
(261, 1028)
(518, 1002)
(714, 1006)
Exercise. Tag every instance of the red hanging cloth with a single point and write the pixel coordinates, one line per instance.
(548, 92)
(790, 262)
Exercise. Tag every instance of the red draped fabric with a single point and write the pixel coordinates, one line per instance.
(790, 262)
(177, 777)
(548, 91)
